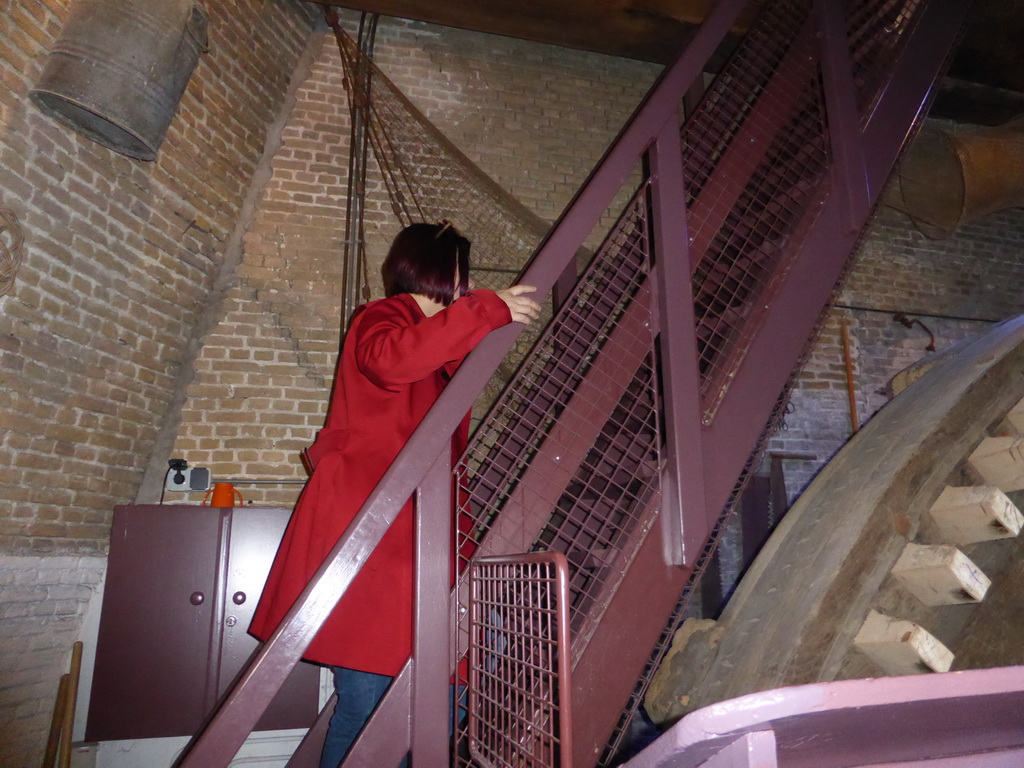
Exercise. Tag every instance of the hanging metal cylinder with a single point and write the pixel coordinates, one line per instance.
(950, 178)
(118, 69)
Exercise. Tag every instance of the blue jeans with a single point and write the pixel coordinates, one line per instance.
(358, 694)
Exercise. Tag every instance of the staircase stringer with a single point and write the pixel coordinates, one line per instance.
(819, 239)
(785, 308)
(871, 152)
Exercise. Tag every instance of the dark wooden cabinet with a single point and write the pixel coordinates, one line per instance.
(182, 584)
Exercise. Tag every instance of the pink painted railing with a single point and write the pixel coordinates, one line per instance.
(969, 719)
(627, 430)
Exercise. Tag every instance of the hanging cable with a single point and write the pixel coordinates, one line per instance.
(355, 239)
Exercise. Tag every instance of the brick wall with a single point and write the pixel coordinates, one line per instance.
(42, 600)
(190, 306)
(956, 287)
(119, 260)
(535, 118)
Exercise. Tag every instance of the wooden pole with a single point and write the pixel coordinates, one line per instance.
(71, 695)
(50, 755)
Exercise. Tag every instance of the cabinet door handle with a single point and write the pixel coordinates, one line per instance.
(196, 598)
(238, 598)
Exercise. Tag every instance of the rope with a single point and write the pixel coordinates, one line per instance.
(427, 178)
(11, 240)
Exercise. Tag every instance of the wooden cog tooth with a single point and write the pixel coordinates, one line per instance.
(965, 515)
(1000, 461)
(901, 647)
(940, 574)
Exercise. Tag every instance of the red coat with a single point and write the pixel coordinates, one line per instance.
(394, 364)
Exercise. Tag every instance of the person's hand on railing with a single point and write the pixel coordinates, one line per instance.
(523, 308)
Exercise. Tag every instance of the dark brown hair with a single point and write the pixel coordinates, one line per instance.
(422, 260)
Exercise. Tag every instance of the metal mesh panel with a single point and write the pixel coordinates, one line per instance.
(519, 714)
(572, 448)
(599, 513)
(876, 30)
(713, 127)
(750, 254)
(754, 169)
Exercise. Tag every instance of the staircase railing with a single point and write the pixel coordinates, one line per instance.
(624, 435)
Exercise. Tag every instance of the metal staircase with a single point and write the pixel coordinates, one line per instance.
(630, 425)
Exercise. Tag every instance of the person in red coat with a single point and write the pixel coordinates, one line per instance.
(397, 357)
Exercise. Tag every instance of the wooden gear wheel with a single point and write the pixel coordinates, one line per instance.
(918, 508)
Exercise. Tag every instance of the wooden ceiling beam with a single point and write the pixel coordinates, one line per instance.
(655, 30)
(647, 30)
